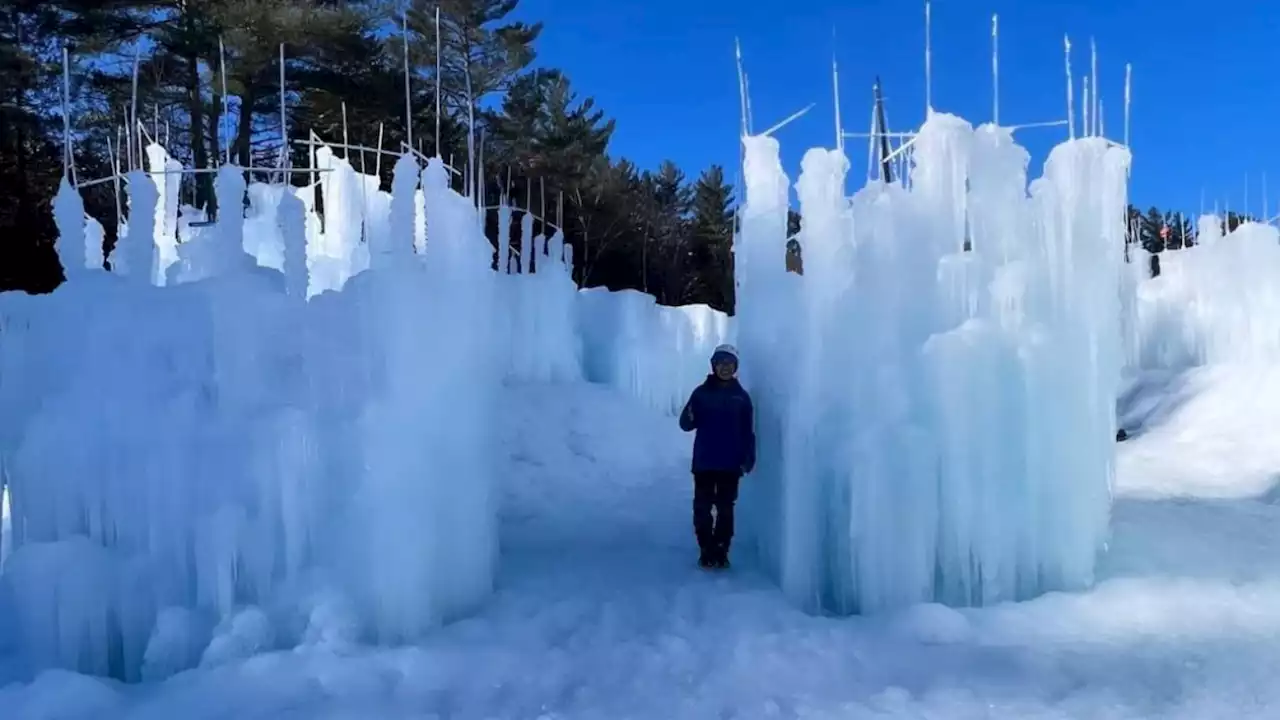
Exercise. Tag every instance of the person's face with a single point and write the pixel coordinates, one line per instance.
(725, 369)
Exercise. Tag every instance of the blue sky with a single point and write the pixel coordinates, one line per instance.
(1206, 77)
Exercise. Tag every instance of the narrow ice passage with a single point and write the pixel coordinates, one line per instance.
(600, 612)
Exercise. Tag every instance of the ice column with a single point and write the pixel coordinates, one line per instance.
(555, 249)
(526, 242)
(765, 307)
(292, 218)
(400, 238)
(424, 513)
(166, 173)
(94, 239)
(68, 215)
(134, 254)
(1083, 200)
(229, 188)
(504, 238)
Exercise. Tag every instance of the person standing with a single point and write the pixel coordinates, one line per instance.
(724, 449)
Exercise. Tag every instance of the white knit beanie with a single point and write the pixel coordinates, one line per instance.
(727, 350)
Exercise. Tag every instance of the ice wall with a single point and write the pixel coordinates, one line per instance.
(654, 353)
(220, 467)
(935, 424)
(540, 317)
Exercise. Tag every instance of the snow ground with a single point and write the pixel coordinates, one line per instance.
(600, 613)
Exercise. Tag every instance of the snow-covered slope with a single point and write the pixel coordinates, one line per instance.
(600, 613)
(1211, 431)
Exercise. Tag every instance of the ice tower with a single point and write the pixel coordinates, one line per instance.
(936, 423)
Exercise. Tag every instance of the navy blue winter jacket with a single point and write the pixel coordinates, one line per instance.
(722, 414)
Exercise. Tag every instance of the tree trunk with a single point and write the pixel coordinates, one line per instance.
(199, 152)
(243, 149)
(215, 130)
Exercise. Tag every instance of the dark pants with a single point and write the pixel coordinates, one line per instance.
(717, 490)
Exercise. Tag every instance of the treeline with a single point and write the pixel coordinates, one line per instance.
(542, 143)
(1158, 230)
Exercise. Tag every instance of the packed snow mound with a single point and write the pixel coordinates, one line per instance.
(935, 424)
(1207, 432)
(1202, 406)
(1215, 302)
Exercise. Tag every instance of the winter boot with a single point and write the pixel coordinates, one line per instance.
(706, 559)
(720, 560)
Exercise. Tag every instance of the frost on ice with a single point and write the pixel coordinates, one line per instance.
(935, 424)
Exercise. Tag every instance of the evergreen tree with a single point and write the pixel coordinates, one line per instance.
(600, 220)
(667, 201)
(1152, 231)
(711, 237)
(1180, 233)
(30, 160)
(545, 132)
(481, 51)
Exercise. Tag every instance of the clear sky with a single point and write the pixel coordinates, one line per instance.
(1206, 77)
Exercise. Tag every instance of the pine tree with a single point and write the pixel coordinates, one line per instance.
(1151, 232)
(1180, 233)
(711, 237)
(481, 51)
(30, 159)
(545, 132)
(667, 201)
